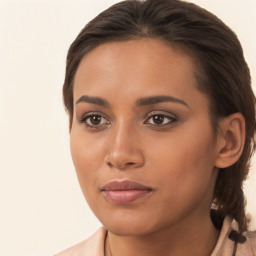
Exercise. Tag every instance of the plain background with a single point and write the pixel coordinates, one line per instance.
(42, 210)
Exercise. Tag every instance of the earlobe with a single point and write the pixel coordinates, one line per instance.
(230, 141)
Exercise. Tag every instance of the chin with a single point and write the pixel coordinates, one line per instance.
(129, 225)
(128, 229)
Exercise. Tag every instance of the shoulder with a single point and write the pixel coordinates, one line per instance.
(232, 243)
(251, 237)
(93, 246)
(248, 245)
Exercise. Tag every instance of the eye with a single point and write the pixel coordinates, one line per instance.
(160, 119)
(94, 121)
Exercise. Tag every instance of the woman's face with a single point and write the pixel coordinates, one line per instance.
(139, 118)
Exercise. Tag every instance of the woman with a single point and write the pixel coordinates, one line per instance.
(162, 124)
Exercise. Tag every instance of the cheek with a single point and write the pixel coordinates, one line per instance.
(87, 155)
(186, 158)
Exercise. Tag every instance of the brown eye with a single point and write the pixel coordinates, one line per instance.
(158, 119)
(95, 120)
(161, 120)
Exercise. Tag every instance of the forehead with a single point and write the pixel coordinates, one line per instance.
(136, 67)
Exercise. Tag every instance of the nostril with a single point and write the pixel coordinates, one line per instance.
(121, 166)
(130, 163)
(110, 165)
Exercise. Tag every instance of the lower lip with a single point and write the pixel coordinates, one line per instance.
(125, 196)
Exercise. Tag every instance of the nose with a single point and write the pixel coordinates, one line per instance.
(124, 151)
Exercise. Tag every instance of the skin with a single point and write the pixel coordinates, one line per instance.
(177, 158)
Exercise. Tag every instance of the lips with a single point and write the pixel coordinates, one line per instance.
(125, 192)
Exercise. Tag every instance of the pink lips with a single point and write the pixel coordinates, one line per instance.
(125, 192)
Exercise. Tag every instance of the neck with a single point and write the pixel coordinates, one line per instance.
(180, 240)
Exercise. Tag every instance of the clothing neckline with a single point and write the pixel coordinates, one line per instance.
(224, 226)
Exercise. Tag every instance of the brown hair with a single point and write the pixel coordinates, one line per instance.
(224, 75)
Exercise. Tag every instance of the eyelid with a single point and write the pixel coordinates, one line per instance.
(87, 115)
(91, 113)
(173, 118)
(163, 113)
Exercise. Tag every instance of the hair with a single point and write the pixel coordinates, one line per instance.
(223, 73)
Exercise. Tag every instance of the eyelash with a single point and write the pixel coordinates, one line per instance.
(172, 120)
(91, 126)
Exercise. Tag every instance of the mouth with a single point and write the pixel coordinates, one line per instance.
(125, 192)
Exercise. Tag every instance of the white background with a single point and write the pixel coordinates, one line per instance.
(42, 210)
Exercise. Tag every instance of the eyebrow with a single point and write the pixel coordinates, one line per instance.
(158, 99)
(140, 102)
(93, 100)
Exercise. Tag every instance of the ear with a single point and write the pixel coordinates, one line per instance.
(230, 140)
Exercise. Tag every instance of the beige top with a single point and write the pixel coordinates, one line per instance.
(226, 246)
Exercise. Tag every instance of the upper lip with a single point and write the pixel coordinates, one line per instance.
(124, 185)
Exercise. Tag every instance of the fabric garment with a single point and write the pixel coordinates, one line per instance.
(230, 243)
